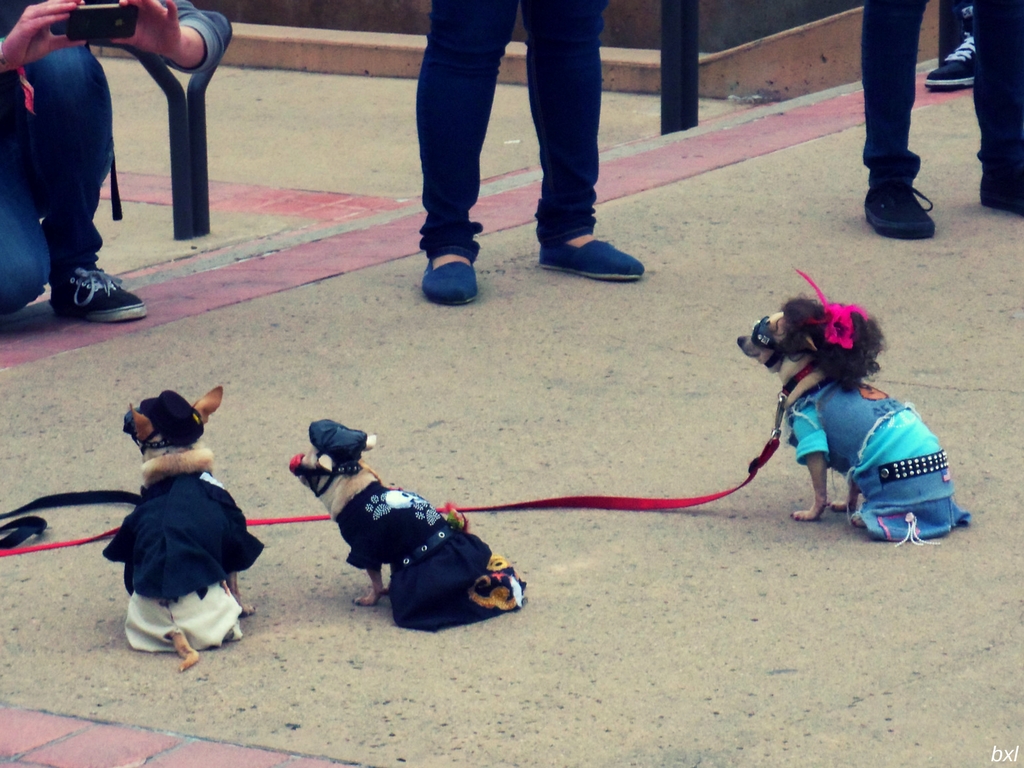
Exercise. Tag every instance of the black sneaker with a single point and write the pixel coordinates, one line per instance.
(958, 70)
(95, 296)
(1005, 191)
(892, 209)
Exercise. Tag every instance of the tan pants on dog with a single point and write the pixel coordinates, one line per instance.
(206, 622)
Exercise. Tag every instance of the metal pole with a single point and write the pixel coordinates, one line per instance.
(679, 64)
(196, 99)
(177, 119)
(198, 153)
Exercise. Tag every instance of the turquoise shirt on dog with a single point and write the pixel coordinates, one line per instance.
(861, 430)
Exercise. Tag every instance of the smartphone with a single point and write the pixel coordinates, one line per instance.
(102, 21)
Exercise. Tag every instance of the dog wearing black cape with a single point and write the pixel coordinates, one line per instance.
(441, 575)
(184, 543)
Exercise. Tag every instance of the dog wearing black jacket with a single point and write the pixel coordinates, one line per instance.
(441, 575)
(183, 545)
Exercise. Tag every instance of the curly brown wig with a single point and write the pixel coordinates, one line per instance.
(805, 321)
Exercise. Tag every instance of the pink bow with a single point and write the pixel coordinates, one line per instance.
(838, 318)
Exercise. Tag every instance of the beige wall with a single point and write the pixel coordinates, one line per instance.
(628, 23)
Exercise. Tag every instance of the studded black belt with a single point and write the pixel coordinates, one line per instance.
(922, 465)
(438, 538)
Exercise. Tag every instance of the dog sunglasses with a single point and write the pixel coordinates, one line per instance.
(762, 337)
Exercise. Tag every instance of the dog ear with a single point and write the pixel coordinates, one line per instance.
(209, 402)
(371, 442)
(808, 342)
(325, 462)
(143, 426)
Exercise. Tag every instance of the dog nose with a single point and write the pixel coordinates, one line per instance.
(741, 341)
(294, 463)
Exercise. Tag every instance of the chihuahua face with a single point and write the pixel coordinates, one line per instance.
(771, 344)
(308, 467)
(316, 471)
(765, 340)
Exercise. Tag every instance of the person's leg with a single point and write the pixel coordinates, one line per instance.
(453, 106)
(70, 143)
(70, 146)
(24, 258)
(889, 44)
(999, 101)
(564, 78)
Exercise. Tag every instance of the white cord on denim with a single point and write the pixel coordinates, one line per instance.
(912, 533)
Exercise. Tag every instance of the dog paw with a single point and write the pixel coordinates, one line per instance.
(806, 515)
(367, 600)
(188, 654)
(247, 610)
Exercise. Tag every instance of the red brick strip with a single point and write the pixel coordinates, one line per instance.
(33, 739)
(247, 198)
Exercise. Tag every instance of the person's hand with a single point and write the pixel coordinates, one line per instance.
(31, 39)
(158, 31)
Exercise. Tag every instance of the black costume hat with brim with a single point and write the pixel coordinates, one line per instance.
(173, 418)
(342, 444)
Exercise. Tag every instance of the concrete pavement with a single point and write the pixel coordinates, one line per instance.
(727, 635)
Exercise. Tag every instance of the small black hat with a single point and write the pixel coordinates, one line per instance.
(177, 422)
(342, 444)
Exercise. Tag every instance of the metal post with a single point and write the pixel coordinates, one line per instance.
(181, 166)
(196, 98)
(679, 64)
(198, 154)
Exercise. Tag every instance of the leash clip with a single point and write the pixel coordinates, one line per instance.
(780, 413)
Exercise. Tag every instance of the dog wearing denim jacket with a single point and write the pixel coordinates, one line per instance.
(897, 473)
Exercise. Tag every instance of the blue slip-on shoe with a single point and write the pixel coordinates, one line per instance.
(453, 283)
(597, 260)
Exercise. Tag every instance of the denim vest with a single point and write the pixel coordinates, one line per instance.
(849, 418)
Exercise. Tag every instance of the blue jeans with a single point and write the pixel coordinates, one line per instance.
(999, 84)
(453, 105)
(889, 46)
(52, 165)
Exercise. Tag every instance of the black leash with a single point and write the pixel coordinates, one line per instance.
(30, 525)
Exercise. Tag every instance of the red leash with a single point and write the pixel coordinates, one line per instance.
(57, 544)
(639, 504)
(625, 503)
